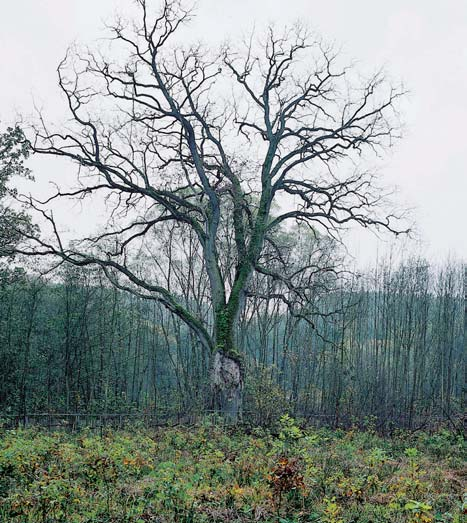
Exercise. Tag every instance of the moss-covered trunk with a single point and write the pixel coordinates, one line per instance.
(227, 371)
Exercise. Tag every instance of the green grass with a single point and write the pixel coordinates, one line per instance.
(213, 474)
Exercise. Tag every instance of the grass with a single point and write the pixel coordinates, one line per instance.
(212, 474)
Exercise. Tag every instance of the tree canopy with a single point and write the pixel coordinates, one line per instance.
(13, 222)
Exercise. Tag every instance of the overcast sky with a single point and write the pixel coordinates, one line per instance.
(421, 42)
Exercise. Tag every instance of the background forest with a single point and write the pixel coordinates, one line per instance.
(386, 348)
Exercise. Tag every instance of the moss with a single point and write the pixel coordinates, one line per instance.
(224, 335)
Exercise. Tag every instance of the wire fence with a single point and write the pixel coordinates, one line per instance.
(100, 421)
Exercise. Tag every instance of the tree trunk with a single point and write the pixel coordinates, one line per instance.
(227, 384)
(226, 369)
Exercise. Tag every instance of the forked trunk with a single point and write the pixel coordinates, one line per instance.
(227, 383)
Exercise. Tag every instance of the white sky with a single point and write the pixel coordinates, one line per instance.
(421, 42)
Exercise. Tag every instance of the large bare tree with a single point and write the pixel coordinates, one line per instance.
(249, 139)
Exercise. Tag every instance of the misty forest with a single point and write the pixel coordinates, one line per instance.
(185, 335)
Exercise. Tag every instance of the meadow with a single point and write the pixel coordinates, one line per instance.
(210, 473)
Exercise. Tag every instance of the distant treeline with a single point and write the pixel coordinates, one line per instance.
(386, 346)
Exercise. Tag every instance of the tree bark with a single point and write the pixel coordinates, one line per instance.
(226, 371)
(227, 383)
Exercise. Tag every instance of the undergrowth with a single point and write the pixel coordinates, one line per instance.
(213, 474)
